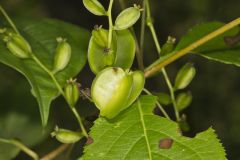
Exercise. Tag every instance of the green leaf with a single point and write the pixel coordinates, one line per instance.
(216, 49)
(138, 134)
(42, 34)
(20, 126)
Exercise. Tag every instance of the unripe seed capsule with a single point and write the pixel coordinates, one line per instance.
(66, 136)
(183, 100)
(184, 76)
(18, 46)
(127, 18)
(94, 7)
(62, 55)
(114, 90)
(72, 92)
(110, 90)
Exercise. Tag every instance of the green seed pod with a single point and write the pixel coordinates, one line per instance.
(184, 76)
(99, 56)
(94, 7)
(168, 47)
(100, 36)
(127, 18)
(126, 47)
(164, 98)
(183, 100)
(66, 136)
(110, 90)
(72, 92)
(137, 87)
(18, 46)
(62, 55)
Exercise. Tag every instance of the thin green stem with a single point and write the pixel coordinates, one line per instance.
(171, 90)
(158, 104)
(142, 35)
(157, 67)
(158, 47)
(21, 146)
(61, 91)
(151, 27)
(79, 121)
(9, 20)
(109, 14)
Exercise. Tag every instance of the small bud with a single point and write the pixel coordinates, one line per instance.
(62, 55)
(127, 18)
(66, 136)
(168, 47)
(184, 76)
(95, 7)
(183, 100)
(72, 92)
(18, 46)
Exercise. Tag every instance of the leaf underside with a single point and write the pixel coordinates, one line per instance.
(216, 49)
(139, 134)
(42, 34)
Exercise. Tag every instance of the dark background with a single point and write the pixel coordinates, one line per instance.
(216, 88)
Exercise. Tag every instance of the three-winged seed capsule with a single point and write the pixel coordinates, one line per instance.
(113, 90)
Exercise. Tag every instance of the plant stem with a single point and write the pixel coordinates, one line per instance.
(157, 44)
(56, 152)
(21, 146)
(171, 90)
(79, 121)
(142, 34)
(9, 20)
(62, 92)
(109, 14)
(158, 104)
(156, 68)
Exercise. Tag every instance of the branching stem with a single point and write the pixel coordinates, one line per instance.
(157, 67)
(158, 104)
(158, 47)
(109, 14)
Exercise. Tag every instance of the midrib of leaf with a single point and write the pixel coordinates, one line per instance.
(144, 129)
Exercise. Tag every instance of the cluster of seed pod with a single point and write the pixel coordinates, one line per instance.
(115, 87)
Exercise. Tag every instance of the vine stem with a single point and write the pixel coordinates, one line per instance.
(55, 152)
(21, 146)
(109, 14)
(158, 47)
(158, 104)
(62, 93)
(171, 90)
(9, 20)
(157, 67)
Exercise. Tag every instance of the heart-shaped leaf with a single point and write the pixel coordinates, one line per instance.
(42, 34)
